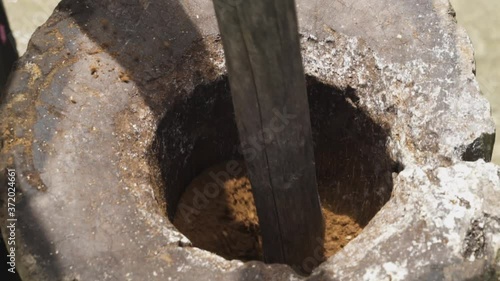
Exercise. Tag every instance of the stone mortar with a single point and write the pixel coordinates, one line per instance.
(81, 111)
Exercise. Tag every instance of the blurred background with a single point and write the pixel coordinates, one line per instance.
(479, 17)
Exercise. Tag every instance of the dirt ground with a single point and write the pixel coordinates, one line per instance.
(224, 220)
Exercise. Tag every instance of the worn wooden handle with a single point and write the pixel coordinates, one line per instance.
(262, 48)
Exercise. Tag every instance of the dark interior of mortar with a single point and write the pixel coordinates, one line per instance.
(198, 137)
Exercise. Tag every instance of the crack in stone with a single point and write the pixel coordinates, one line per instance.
(474, 242)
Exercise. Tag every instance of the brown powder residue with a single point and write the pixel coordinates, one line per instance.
(124, 76)
(224, 220)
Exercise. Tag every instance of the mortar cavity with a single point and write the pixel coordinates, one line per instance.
(207, 195)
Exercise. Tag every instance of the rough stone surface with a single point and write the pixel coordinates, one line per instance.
(441, 224)
(80, 115)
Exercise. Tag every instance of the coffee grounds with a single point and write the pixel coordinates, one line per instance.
(224, 220)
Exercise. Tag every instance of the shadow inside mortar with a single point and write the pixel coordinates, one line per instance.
(208, 195)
